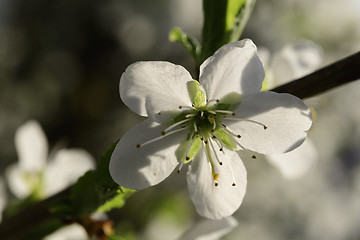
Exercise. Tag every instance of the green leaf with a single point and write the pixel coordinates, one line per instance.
(240, 19)
(189, 43)
(116, 202)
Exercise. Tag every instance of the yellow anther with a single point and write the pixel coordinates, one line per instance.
(215, 176)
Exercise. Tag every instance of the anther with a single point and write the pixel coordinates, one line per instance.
(238, 136)
(178, 171)
(159, 113)
(233, 114)
(253, 157)
(216, 184)
(187, 158)
(220, 163)
(215, 176)
(265, 127)
(221, 149)
(163, 133)
(180, 107)
(233, 184)
(206, 142)
(138, 145)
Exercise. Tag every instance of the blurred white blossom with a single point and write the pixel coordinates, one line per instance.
(38, 173)
(71, 232)
(291, 62)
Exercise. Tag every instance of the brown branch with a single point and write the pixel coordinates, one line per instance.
(334, 75)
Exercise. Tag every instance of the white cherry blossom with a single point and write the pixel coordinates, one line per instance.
(38, 173)
(204, 123)
(291, 62)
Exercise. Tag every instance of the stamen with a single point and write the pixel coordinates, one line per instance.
(253, 157)
(247, 120)
(186, 107)
(216, 156)
(225, 111)
(232, 174)
(190, 115)
(212, 112)
(218, 142)
(208, 156)
(177, 124)
(214, 124)
(231, 135)
(160, 137)
(195, 129)
(212, 100)
(202, 115)
(188, 147)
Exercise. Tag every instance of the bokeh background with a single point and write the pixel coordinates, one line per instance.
(61, 61)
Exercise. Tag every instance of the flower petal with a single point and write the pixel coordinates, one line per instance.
(297, 163)
(138, 168)
(220, 201)
(294, 61)
(285, 116)
(18, 185)
(58, 175)
(32, 147)
(209, 229)
(152, 87)
(235, 67)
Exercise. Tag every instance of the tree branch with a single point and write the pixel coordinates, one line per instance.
(334, 75)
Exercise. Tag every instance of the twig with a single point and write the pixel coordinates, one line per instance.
(334, 75)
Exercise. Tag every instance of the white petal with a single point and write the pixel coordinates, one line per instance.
(235, 67)
(31, 145)
(153, 87)
(16, 181)
(294, 61)
(286, 117)
(66, 167)
(210, 229)
(138, 168)
(220, 201)
(297, 163)
(70, 232)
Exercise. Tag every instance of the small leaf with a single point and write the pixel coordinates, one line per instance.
(189, 43)
(240, 19)
(116, 202)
